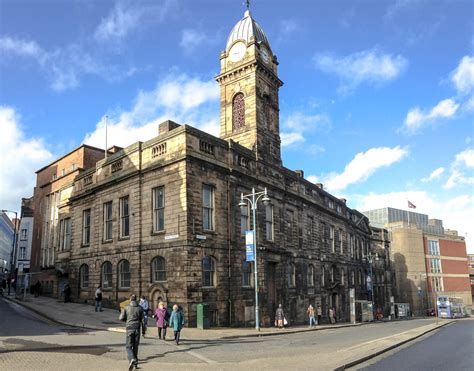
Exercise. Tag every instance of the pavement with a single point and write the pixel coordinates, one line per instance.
(84, 316)
(327, 346)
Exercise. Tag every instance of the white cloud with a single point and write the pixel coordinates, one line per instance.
(417, 119)
(463, 163)
(20, 157)
(179, 98)
(191, 39)
(21, 47)
(297, 124)
(286, 29)
(463, 76)
(456, 212)
(363, 165)
(287, 139)
(369, 66)
(399, 6)
(127, 16)
(64, 67)
(434, 175)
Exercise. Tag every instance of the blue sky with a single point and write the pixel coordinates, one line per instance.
(377, 102)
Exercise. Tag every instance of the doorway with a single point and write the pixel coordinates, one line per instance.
(271, 289)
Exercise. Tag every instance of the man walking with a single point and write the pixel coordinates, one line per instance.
(146, 307)
(319, 312)
(98, 299)
(132, 315)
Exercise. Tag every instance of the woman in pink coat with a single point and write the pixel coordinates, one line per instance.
(162, 318)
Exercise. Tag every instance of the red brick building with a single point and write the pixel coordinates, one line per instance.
(447, 271)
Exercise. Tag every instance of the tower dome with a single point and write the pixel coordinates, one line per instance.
(245, 29)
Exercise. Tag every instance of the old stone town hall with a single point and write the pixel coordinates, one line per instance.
(161, 217)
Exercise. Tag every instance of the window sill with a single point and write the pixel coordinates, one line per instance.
(158, 233)
(86, 245)
(124, 238)
(209, 288)
(107, 241)
(209, 231)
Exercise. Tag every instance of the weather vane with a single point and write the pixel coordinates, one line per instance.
(247, 3)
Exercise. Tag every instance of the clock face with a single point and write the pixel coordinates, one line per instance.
(237, 52)
(265, 55)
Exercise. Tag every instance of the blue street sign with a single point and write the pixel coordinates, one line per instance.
(249, 246)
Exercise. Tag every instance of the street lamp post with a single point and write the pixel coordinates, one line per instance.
(13, 253)
(371, 258)
(252, 199)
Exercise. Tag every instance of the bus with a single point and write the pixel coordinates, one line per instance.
(450, 307)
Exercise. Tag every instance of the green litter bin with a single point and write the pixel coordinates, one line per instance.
(203, 320)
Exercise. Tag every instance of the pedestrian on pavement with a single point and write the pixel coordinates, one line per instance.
(162, 318)
(319, 312)
(176, 322)
(334, 314)
(67, 293)
(132, 315)
(279, 316)
(146, 307)
(98, 299)
(312, 320)
(331, 316)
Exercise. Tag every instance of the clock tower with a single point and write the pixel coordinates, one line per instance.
(249, 86)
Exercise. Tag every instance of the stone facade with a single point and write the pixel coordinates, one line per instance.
(161, 218)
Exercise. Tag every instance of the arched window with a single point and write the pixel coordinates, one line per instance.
(353, 280)
(238, 111)
(124, 274)
(310, 275)
(106, 275)
(359, 278)
(323, 276)
(208, 272)
(158, 269)
(84, 276)
(246, 273)
(291, 275)
(333, 274)
(343, 276)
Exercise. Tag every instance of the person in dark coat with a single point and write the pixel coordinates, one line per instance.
(133, 316)
(162, 318)
(279, 316)
(67, 293)
(176, 322)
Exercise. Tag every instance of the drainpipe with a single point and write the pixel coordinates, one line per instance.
(140, 207)
(229, 247)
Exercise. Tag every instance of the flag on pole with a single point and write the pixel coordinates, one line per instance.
(410, 205)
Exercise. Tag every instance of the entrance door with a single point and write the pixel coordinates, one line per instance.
(271, 289)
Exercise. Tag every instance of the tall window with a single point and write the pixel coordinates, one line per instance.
(84, 276)
(343, 276)
(106, 275)
(23, 234)
(124, 217)
(108, 221)
(208, 207)
(341, 246)
(238, 111)
(310, 276)
(351, 245)
(246, 273)
(124, 274)
(158, 269)
(291, 275)
(435, 265)
(353, 280)
(437, 283)
(269, 222)
(323, 276)
(65, 234)
(433, 247)
(333, 274)
(158, 209)
(22, 252)
(331, 236)
(208, 271)
(244, 220)
(86, 227)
